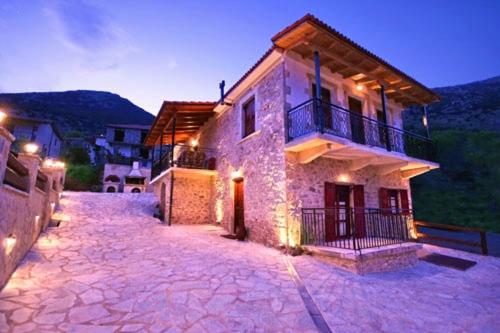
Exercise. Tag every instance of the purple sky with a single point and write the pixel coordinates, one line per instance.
(148, 51)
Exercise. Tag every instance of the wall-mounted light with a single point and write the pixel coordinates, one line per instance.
(9, 243)
(31, 148)
(194, 142)
(3, 115)
(359, 87)
(344, 178)
(424, 120)
(236, 174)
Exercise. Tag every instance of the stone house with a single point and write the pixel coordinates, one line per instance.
(126, 154)
(307, 147)
(41, 131)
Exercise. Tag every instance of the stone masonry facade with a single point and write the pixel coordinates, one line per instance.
(276, 186)
(24, 215)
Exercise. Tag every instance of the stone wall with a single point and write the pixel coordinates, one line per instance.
(23, 215)
(259, 159)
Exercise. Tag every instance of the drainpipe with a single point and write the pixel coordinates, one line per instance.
(384, 109)
(317, 100)
(172, 172)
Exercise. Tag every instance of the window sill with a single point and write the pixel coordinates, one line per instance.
(248, 137)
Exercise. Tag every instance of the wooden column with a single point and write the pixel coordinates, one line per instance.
(317, 94)
(174, 121)
(384, 109)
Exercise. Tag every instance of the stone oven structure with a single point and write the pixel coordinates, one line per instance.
(308, 147)
(135, 181)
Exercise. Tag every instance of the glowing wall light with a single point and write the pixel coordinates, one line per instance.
(359, 87)
(31, 148)
(3, 115)
(194, 142)
(219, 211)
(344, 178)
(236, 174)
(9, 243)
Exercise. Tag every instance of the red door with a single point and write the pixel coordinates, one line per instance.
(359, 211)
(238, 205)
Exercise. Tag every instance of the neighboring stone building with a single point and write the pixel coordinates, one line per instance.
(308, 148)
(125, 153)
(41, 131)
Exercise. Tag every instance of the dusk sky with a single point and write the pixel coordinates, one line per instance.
(149, 51)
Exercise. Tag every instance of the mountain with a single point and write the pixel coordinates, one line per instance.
(471, 106)
(85, 111)
(465, 127)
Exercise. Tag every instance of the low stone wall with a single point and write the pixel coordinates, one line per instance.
(376, 260)
(24, 215)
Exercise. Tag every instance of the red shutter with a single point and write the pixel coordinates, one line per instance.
(405, 202)
(384, 201)
(329, 212)
(359, 211)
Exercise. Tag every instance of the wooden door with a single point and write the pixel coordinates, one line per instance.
(356, 116)
(239, 213)
(337, 217)
(327, 110)
(342, 203)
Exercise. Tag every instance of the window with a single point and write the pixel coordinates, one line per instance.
(119, 135)
(249, 117)
(144, 153)
(393, 201)
(143, 136)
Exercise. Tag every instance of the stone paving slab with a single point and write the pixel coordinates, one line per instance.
(110, 267)
(424, 298)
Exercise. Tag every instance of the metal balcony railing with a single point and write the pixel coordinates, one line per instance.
(317, 116)
(184, 156)
(354, 228)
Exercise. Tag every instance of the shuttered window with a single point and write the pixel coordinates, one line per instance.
(394, 200)
(249, 117)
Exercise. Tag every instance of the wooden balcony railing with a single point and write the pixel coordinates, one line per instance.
(317, 116)
(354, 228)
(16, 174)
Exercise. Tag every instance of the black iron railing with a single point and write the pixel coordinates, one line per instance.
(317, 116)
(354, 228)
(185, 156)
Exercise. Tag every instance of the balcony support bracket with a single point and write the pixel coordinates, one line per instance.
(310, 155)
(407, 174)
(360, 163)
(386, 169)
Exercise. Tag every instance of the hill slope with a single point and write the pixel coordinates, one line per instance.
(465, 125)
(471, 106)
(86, 111)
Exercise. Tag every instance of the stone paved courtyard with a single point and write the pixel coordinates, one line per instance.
(111, 267)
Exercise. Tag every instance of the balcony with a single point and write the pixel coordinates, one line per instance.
(316, 128)
(354, 228)
(187, 159)
(314, 116)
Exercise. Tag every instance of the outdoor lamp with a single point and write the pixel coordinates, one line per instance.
(3, 115)
(424, 120)
(194, 142)
(359, 87)
(31, 148)
(9, 242)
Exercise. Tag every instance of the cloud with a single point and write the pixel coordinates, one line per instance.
(89, 32)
